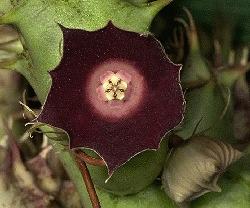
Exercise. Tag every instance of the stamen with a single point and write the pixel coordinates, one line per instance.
(114, 88)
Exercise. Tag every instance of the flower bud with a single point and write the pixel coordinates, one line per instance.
(193, 169)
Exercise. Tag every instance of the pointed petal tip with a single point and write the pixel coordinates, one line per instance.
(216, 188)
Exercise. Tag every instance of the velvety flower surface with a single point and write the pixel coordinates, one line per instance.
(115, 92)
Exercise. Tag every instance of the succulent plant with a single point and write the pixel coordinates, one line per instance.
(106, 104)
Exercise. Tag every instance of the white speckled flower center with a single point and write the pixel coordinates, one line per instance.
(114, 88)
(119, 89)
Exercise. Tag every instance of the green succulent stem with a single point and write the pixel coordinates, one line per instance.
(157, 5)
(70, 165)
(230, 75)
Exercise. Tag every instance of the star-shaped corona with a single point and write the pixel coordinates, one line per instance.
(114, 86)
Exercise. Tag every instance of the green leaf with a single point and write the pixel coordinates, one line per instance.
(204, 109)
(5, 6)
(128, 178)
(95, 14)
(195, 72)
(152, 196)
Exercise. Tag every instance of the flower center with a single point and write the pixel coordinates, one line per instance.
(115, 88)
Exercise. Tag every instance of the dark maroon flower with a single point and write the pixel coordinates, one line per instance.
(115, 92)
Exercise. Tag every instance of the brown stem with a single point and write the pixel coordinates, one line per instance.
(88, 182)
(88, 159)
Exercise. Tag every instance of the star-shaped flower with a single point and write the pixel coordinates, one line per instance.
(115, 92)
